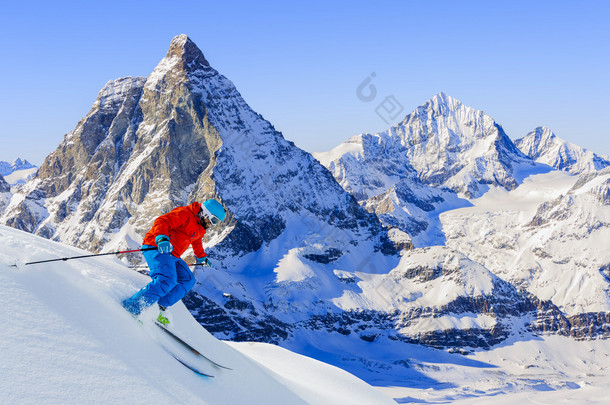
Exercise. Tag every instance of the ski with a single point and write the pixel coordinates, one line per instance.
(193, 369)
(187, 345)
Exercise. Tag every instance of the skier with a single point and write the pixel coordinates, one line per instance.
(171, 234)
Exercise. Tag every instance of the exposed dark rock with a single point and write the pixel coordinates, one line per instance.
(422, 273)
(4, 186)
(329, 255)
(237, 320)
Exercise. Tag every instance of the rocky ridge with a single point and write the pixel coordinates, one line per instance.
(7, 168)
(443, 143)
(440, 156)
(545, 147)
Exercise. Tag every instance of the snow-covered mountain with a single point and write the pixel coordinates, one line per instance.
(547, 237)
(443, 143)
(17, 172)
(7, 168)
(440, 155)
(544, 146)
(536, 235)
(439, 297)
(183, 133)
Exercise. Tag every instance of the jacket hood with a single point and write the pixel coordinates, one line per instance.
(195, 207)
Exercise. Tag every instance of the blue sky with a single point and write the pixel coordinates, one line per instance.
(299, 64)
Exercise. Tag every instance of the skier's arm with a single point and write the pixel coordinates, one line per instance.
(198, 248)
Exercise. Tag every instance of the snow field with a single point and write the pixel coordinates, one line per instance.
(549, 370)
(66, 339)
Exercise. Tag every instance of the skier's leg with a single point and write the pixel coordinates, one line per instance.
(162, 271)
(185, 282)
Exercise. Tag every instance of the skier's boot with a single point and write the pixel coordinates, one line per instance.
(134, 308)
(162, 318)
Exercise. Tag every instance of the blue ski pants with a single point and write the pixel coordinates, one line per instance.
(171, 280)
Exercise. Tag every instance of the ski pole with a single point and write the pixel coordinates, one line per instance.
(144, 266)
(91, 255)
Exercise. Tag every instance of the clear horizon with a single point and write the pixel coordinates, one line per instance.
(309, 68)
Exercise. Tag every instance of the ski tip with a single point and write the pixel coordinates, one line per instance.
(193, 369)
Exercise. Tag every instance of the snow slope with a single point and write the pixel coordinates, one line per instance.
(66, 339)
(553, 370)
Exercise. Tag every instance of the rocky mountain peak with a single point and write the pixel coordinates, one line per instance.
(447, 143)
(442, 99)
(183, 61)
(184, 49)
(538, 140)
(185, 133)
(544, 132)
(545, 147)
(441, 154)
(17, 164)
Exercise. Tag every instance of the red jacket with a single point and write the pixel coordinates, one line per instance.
(183, 228)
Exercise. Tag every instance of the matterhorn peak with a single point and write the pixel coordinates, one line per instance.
(183, 58)
(183, 48)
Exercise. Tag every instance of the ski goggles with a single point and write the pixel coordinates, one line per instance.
(204, 213)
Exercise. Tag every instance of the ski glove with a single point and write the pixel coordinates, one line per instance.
(163, 244)
(204, 261)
